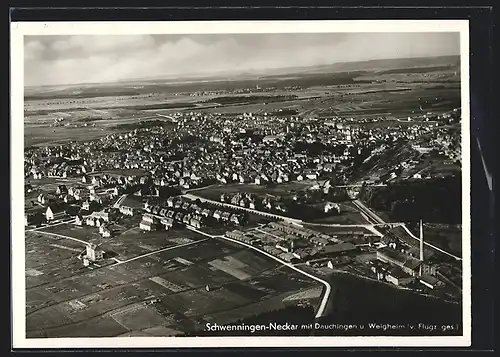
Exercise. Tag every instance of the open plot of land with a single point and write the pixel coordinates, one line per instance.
(121, 172)
(225, 266)
(176, 279)
(54, 271)
(97, 327)
(133, 201)
(134, 242)
(41, 250)
(446, 237)
(198, 275)
(138, 317)
(342, 218)
(49, 136)
(199, 302)
(340, 230)
(84, 233)
(214, 192)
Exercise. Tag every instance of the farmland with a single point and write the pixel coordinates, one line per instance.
(214, 192)
(358, 94)
(159, 293)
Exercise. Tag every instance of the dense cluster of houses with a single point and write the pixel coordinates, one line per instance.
(204, 148)
(179, 210)
(401, 274)
(224, 157)
(288, 242)
(99, 219)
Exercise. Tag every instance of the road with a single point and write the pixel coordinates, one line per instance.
(428, 244)
(64, 237)
(119, 201)
(199, 188)
(166, 116)
(321, 309)
(284, 218)
(50, 225)
(360, 185)
(373, 216)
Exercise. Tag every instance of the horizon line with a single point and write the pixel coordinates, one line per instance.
(201, 75)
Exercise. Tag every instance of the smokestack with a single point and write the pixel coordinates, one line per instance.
(421, 241)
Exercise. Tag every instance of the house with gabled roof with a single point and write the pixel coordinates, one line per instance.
(55, 211)
(90, 221)
(217, 214)
(167, 222)
(186, 219)
(225, 216)
(206, 212)
(179, 216)
(79, 220)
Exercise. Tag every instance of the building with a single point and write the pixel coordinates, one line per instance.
(397, 276)
(127, 211)
(147, 226)
(269, 139)
(94, 253)
(62, 190)
(149, 218)
(319, 241)
(430, 281)
(329, 206)
(195, 223)
(167, 222)
(105, 232)
(90, 221)
(99, 222)
(408, 264)
(79, 220)
(55, 211)
(33, 219)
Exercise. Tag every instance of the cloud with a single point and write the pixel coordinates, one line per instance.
(77, 59)
(33, 50)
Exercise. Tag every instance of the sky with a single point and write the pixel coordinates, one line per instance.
(60, 59)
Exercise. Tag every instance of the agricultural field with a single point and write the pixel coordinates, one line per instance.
(167, 283)
(161, 284)
(283, 189)
(445, 236)
(127, 240)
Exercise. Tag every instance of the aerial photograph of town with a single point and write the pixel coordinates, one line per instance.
(243, 184)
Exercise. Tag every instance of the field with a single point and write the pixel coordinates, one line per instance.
(360, 94)
(157, 287)
(167, 283)
(338, 229)
(214, 192)
(444, 236)
(348, 215)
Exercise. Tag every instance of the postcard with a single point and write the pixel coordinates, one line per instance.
(240, 183)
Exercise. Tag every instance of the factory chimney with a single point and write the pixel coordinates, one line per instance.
(421, 241)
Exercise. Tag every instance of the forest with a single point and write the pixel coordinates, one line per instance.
(435, 200)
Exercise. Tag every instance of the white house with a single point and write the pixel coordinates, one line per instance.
(54, 212)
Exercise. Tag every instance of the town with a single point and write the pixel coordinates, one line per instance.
(201, 151)
(159, 212)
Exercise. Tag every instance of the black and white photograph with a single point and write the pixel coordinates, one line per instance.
(224, 184)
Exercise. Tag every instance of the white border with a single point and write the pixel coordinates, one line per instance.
(18, 30)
